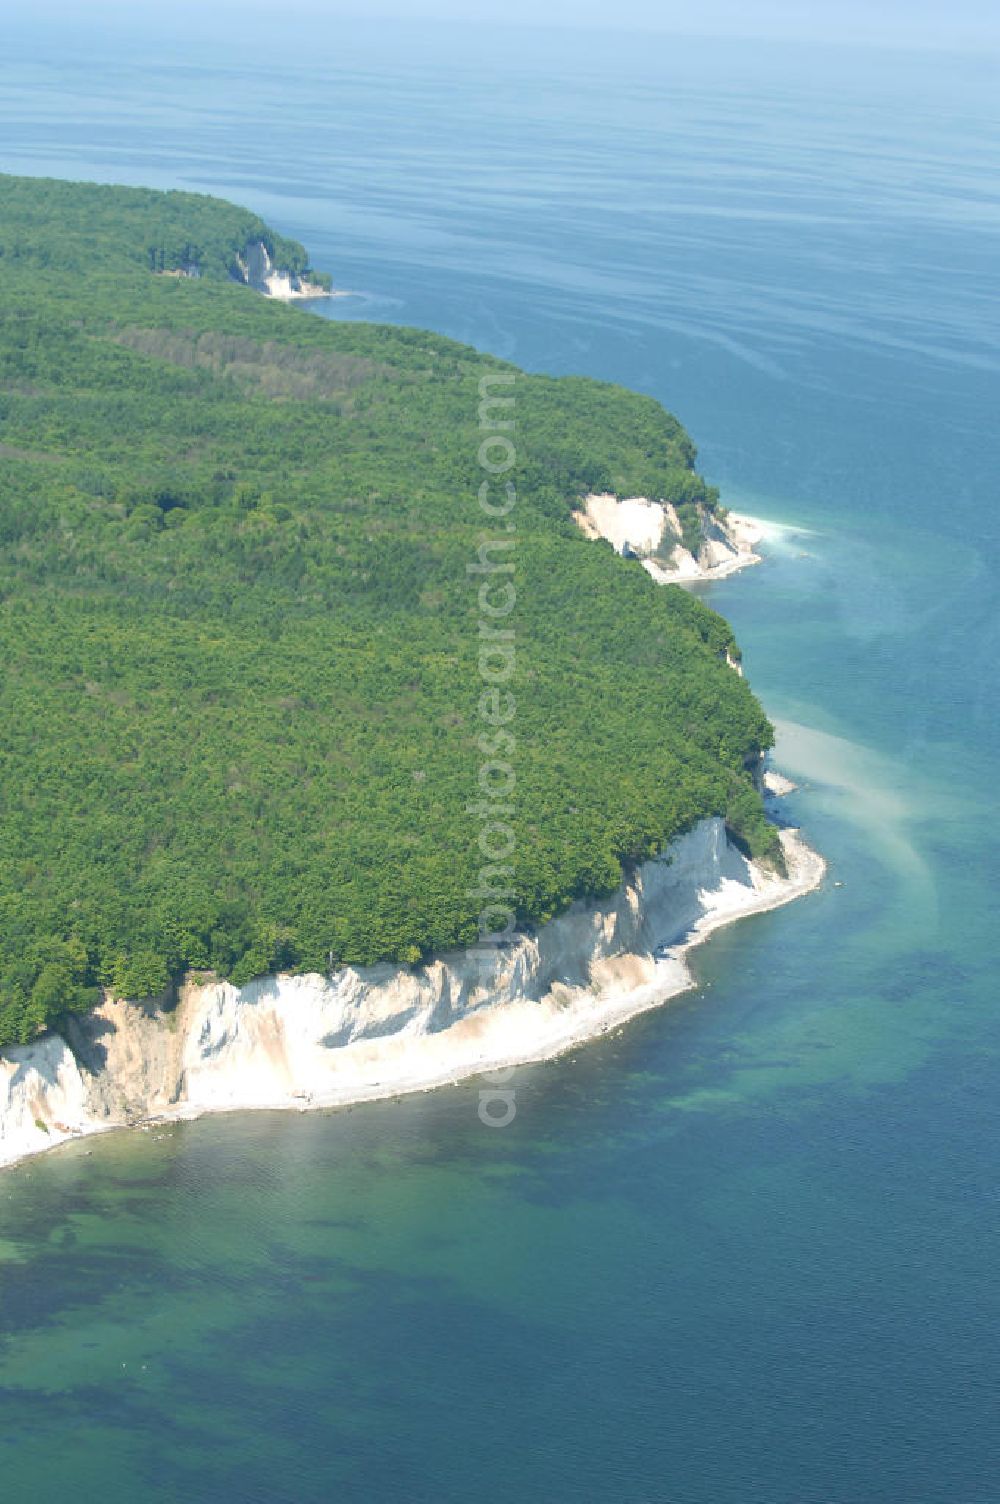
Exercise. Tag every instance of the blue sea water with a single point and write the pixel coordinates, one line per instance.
(747, 1251)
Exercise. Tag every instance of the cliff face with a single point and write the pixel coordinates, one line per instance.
(375, 1031)
(257, 270)
(651, 531)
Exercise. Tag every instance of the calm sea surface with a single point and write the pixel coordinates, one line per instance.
(746, 1252)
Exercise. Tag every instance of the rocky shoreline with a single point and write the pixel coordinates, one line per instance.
(371, 1032)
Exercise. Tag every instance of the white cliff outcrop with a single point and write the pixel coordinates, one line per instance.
(257, 270)
(367, 1032)
(651, 531)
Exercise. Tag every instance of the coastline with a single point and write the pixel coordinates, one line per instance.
(670, 979)
(310, 1042)
(268, 1046)
(258, 271)
(638, 527)
(734, 547)
(279, 286)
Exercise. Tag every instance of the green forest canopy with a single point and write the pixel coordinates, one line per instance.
(239, 725)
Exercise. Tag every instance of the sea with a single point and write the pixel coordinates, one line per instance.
(746, 1250)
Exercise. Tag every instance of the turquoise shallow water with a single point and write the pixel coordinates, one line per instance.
(746, 1251)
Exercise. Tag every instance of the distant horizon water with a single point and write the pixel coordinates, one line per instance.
(898, 26)
(746, 1251)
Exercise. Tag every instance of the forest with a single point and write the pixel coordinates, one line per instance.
(238, 707)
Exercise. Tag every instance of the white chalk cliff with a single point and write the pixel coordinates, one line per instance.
(257, 270)
(651, 531)
(366, 1032)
